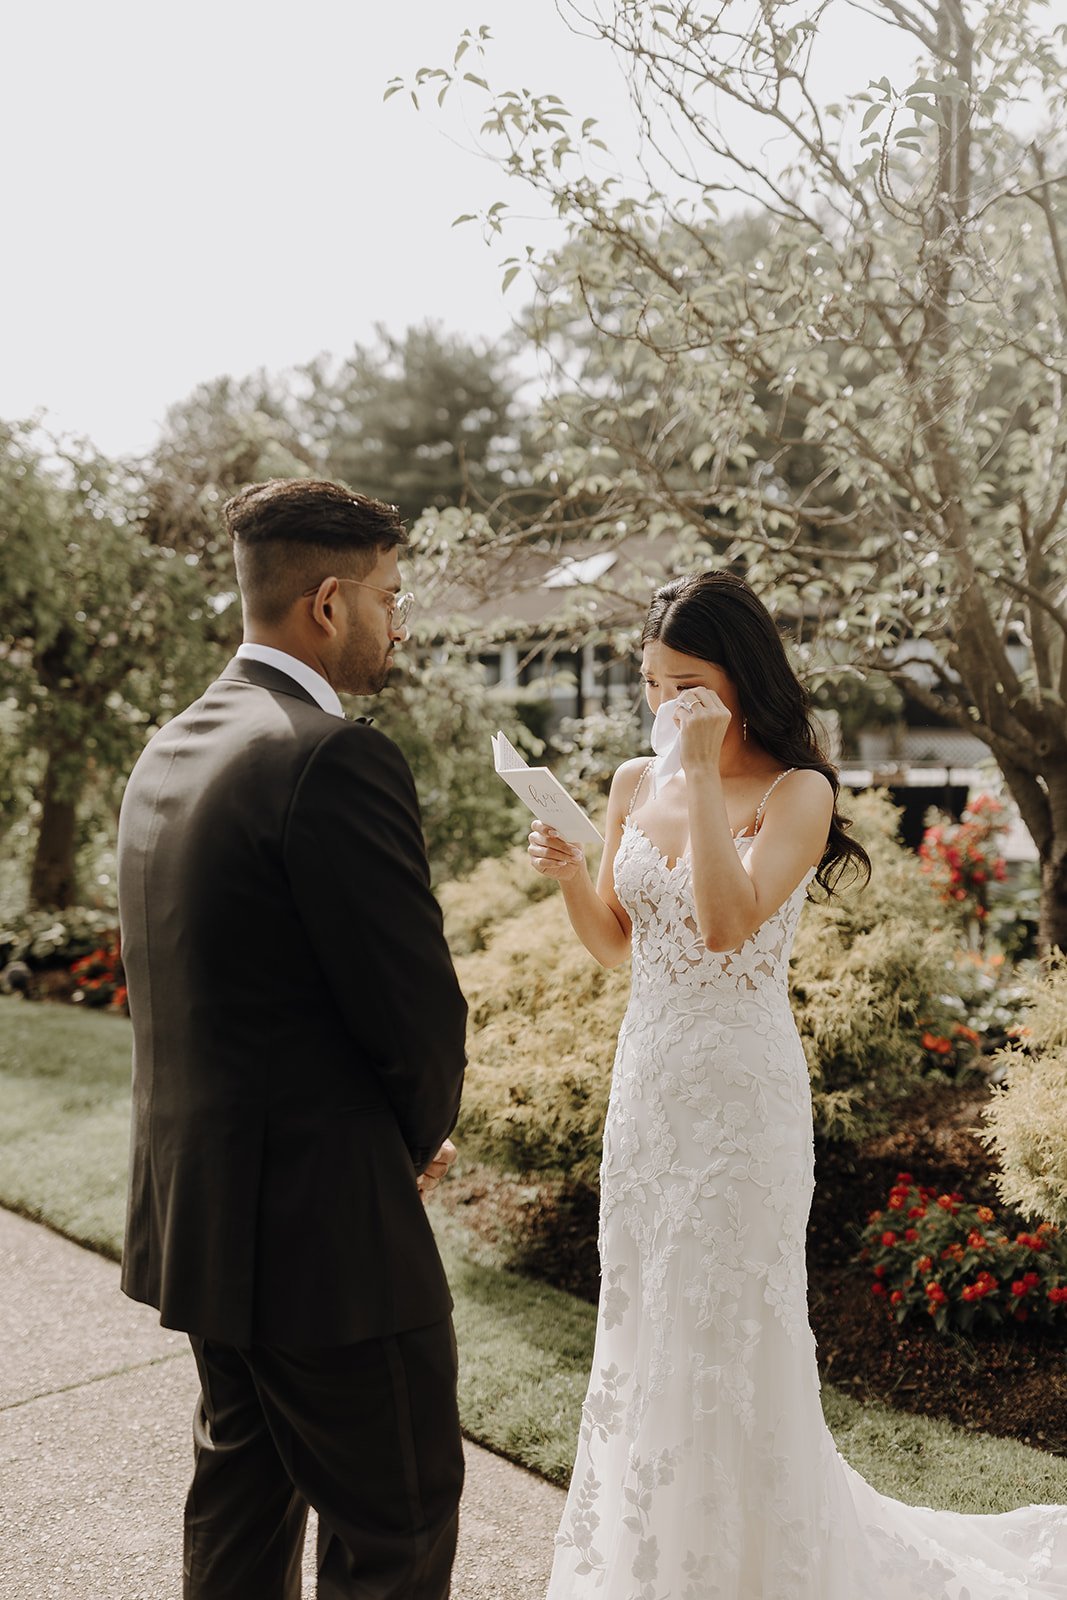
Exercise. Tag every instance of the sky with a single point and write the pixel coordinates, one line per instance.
(217, 186)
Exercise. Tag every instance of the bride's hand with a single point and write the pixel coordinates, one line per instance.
(552, 856)
(703, 720)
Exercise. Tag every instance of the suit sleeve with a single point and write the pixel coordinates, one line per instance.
(357, 864)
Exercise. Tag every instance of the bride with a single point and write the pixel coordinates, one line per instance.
(705, 1470)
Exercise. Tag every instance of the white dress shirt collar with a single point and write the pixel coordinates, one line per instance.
(315, 684)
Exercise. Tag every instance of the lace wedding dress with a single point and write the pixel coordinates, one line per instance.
(705, 1470)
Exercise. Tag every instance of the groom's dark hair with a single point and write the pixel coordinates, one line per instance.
(290, 533)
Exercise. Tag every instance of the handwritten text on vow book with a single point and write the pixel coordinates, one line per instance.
(542, 791)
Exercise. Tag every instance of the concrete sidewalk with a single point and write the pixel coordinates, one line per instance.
(96, 1403)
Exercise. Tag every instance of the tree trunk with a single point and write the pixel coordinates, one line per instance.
(52, 883)
(1052, 928)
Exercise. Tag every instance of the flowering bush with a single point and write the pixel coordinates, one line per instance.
(952, 1050)
(99, 979)
(962, 858)
(937, 1255)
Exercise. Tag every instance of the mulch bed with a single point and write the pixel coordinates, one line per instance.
(1011, 1383)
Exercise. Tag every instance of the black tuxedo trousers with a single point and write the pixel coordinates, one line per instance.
(368, 1434)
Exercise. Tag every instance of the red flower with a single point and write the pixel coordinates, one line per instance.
(896, 1297)
(878, 1288)
(911, 1234)
(889, 1238)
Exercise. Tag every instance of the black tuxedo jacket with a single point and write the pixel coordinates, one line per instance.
(298, 1027)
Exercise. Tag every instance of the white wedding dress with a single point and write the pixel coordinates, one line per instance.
(705, 1470)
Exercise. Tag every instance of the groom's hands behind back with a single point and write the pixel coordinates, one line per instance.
(438, 1167)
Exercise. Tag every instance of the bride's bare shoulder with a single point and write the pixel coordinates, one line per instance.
(624, 786)
(628, 776)
(804, 795)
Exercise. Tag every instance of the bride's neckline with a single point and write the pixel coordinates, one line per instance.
(741, 837)
(672, 866)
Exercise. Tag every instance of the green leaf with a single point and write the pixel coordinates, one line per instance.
(471, 77)
(394, 88)
(468, 216)
(509, 278)
(926, 108)
(871, 114)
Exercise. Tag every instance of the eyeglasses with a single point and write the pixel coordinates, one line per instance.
(399, 611)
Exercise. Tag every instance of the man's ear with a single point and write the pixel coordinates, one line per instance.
(322, 606)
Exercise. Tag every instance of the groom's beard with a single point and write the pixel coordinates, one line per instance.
(363, 668)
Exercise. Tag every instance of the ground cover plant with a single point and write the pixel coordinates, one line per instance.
(64, 1111)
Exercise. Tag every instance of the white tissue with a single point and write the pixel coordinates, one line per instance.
(667, 743)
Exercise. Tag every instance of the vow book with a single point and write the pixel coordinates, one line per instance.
(542, 791)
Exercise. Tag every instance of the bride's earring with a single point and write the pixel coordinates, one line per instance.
(744, 727)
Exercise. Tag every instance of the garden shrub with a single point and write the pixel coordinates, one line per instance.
(544, 1016)
(543, 1021)
(55, 938)
(497, 889)
(868, 977)
(1027, 1115)
(939, 1256)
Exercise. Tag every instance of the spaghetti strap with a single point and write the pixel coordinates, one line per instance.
(767, 796)
(639, 785)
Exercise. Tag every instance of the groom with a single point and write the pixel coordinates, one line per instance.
(298, 1057)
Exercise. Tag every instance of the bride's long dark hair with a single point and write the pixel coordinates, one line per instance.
(718, 618)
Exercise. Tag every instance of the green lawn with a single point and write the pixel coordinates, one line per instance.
(64, 1107)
